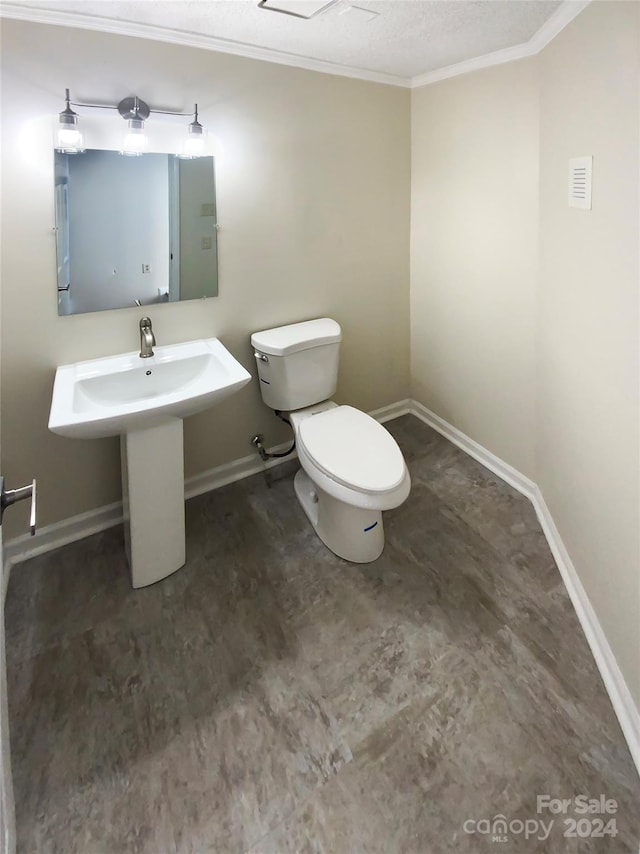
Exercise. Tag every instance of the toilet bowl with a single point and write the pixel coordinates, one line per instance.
(352, 468)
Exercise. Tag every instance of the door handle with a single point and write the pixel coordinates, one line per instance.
(10, 496)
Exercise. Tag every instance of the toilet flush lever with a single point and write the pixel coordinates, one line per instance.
(10, 496)
(261, 357)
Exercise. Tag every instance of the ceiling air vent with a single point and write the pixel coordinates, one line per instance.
(305, 9)
(358, 13)
(580, 182)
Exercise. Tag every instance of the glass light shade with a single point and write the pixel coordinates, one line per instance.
(135, 142)
(194, 145)
(70, 139)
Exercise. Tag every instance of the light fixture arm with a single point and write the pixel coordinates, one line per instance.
(127, 108)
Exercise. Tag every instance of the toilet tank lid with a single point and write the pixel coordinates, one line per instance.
(284, 340)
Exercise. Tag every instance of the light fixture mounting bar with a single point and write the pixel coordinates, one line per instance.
(134, 108)
(126, 100)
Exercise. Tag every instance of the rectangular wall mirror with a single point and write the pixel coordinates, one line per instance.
(133, 230)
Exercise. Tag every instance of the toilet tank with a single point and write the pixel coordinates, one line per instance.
(298, 364)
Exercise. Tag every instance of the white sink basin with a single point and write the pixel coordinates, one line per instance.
(120, 394)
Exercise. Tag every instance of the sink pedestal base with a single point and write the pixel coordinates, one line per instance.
(153, 501)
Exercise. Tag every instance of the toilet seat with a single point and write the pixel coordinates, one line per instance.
(353, 449)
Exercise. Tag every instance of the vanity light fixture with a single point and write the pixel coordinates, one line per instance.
(69, 134)
(135, 112)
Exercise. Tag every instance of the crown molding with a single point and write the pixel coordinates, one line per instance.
(549, 30)
(488, 60)
(563, 15)
(188, 39)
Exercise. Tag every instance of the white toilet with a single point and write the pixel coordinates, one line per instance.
(352, 468)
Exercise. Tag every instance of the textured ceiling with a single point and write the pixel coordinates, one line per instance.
(406, 38)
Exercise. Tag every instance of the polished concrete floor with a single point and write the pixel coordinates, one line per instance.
(272, 698)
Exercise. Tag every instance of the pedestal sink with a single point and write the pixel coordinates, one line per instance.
(144, 402)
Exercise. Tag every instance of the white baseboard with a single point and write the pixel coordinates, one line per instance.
(60, 534)
(626, 711)
(77, 527)
(504, 471)
(394, 410)
(235, 470)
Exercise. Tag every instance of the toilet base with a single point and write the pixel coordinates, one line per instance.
(353, 533)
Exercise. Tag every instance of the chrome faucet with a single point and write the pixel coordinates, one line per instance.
(147, 338)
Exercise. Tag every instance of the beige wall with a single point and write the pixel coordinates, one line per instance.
(525, 329)
(313, 201)
(587, 430)
(474, 223)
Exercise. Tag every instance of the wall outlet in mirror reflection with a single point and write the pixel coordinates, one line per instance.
(111, 210)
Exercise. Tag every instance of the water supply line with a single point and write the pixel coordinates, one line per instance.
(258, 442)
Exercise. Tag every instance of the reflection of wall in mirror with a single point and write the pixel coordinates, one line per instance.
(198, 248)
(62, 233)
(119, 221)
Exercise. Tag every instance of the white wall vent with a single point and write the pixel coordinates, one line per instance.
(580, 169)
